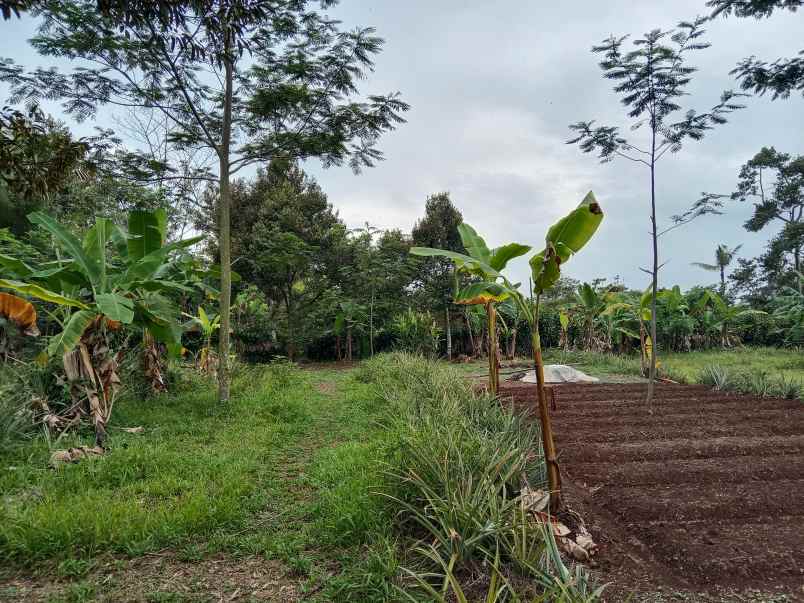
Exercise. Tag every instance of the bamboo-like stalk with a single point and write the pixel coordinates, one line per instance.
(548, 445)
(494, 377)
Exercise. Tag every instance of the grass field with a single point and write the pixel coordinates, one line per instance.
(282, 474)
(774, 363)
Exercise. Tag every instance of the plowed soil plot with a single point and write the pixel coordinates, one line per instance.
(704, 495)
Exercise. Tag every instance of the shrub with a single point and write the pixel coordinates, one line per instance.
(416, 333)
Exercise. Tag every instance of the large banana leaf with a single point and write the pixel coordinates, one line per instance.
(565, 238)
(94, 245)
(147, 231)
(482, 293)
(462, 262)
(69, 243)
(574, 230)
(502, 255)
(146, 266)
(66, 340)
(41, 293)
(473, 243)
(14, 267)
(116, 307)
(119, 239)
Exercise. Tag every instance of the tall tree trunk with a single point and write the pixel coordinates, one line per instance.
(797, 264)
(722, 280)
(655, 268)
(371, 323)
(225, 227)
(448, 329)
(338, 347)
(349, 343)
(548, 444)
(291, 348)
(512, 353)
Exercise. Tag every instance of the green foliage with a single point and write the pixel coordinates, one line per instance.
(16, 414)
(416, 333)
(459, 461)
(38, 157)
(564, 239)
(125, 290)
(761, 383)
(783, 76)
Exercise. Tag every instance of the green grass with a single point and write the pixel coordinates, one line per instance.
(775, 361)
(688, 367)
(293, 472)
(286, 472)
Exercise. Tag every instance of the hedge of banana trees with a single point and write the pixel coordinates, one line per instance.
(102, 289)
(609, 319)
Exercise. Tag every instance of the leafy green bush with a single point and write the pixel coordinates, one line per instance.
(16, 417)
(416, 333)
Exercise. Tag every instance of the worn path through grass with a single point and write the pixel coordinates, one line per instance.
(267, 499)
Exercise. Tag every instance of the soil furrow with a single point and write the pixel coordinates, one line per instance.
(685, 448)
(657, 433)
(726, 470)
(722, 550)
(748, 501)
(642, 420)
(710, 486)
(565, 411)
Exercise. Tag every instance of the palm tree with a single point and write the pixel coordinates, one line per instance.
(723, 257)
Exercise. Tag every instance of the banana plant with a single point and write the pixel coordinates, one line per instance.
(726, 314)
(638, 311)
(348, 319)
(488, 288)
(208, 324)
(564, 323)
(100, 291)
(564, 239)
(590, 305)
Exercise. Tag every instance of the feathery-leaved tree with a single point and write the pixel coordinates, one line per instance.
(249, 81)
(782, 76)
(774, 181)
(723, 257)
(651, 80)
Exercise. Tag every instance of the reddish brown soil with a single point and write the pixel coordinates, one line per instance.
(706, 494)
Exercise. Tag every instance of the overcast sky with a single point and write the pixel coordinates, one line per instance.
(493, 87)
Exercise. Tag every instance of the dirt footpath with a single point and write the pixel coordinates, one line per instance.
(704, 495)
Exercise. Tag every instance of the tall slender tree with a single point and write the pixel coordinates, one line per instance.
(439, 229)
(651, 79)
(723, 257)
(251, 81)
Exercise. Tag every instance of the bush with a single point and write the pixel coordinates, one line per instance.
(416, 333)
